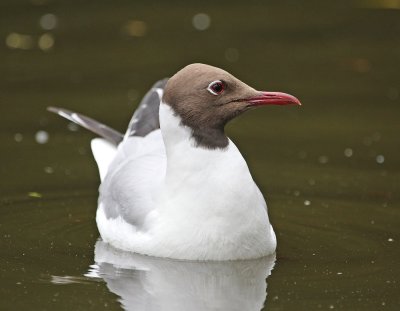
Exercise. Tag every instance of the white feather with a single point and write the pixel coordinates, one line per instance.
(165, 197)
(103, 152)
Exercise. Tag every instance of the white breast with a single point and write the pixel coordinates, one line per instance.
(207, 206)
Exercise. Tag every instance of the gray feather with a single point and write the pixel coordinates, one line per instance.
(94, 126)
(146, 119)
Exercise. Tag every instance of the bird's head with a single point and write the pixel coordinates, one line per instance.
(207, 97)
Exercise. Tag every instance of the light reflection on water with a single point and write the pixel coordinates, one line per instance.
(146, 283)
(149, 283)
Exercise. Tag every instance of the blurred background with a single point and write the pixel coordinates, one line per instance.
(329, 170)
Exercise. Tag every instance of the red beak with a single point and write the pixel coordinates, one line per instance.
(273, 98)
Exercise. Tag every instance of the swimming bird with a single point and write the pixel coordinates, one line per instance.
(174, 185)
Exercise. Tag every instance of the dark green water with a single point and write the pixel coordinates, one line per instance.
(330, 170)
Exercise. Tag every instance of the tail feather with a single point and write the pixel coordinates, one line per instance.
(92, 125)
(103, 152)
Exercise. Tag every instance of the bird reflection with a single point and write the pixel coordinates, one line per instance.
(148, 283)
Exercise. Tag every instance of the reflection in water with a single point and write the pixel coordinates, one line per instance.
(148, 283)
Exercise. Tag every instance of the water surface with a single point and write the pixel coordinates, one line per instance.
(329, 171)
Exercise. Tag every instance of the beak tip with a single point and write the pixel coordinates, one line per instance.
(295, 100)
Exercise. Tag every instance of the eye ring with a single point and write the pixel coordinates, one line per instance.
(216, 87)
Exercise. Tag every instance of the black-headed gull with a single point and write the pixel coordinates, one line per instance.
(175, 185)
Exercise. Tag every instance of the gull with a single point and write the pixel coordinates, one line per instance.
(174, 185)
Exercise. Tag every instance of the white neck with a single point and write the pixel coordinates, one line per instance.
(190, 167)
(212, 196)
(184, 156)
(173, 131)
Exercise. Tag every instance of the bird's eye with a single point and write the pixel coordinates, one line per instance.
(216, 87)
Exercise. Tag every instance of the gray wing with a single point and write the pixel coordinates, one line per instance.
(146, 119)
(92, 125)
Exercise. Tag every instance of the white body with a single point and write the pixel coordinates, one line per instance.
(163, 196)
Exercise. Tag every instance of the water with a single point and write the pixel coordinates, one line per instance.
(329, 170)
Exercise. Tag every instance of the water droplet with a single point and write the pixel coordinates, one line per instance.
(46, 42)
(18, 137)
(48, 21)
(380, 159)
(232, 55)
(41, 137)
(49, 170)
(201, 21)
(390, 240)
(323, 159)
(19, 41)
(348, 152)
(135, 28)
(12, 40)
(34, 194)
(73, 127)
(307, 203)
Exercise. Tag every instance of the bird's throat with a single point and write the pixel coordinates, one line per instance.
(210, 138)
(176, 130)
